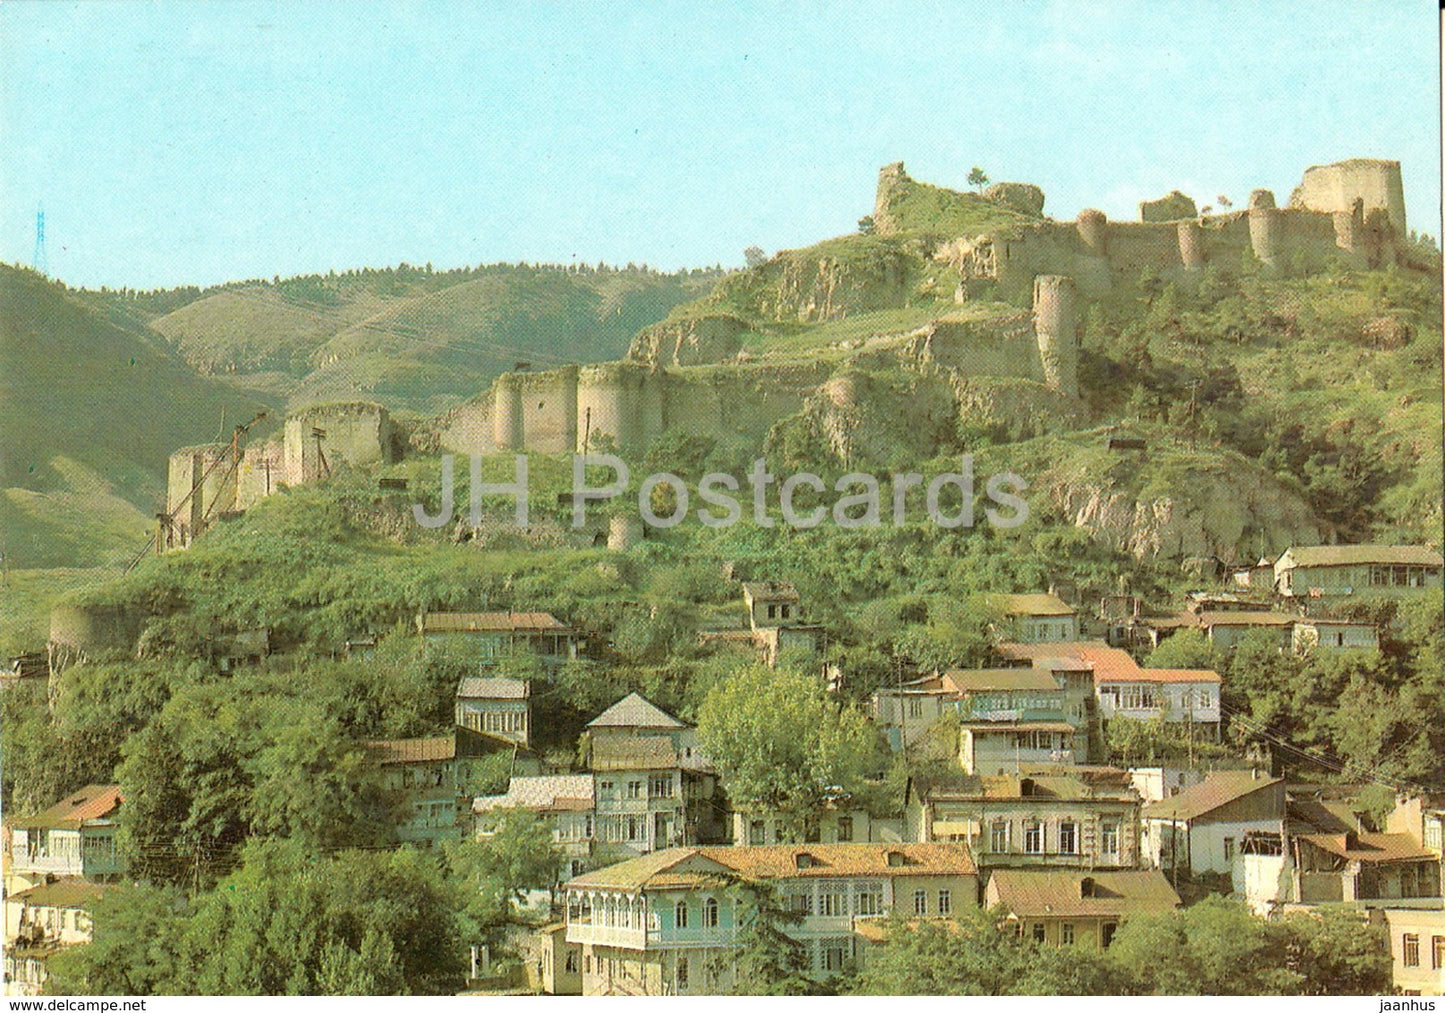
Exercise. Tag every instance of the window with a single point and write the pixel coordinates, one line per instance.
(915, 708)
(1068, 838)
(1229, 849)
(945, 902)
(634, 789)
(801, 903)
(772, 611)
(1066, 933)
(634, 828)
(998, 837)
(1109, 839)
(1038, 932)
(757, 832)
(606, 789)
(870, 903)
(785, 611)
(1437, 952)
(709, 913)
(1432, 834)
(920, 902)
(835, 905)
(1033, 838)
(571, 963)
(679, 915)
(682, 970)
(659, 786)
(845, 828)
(1410, 950)
(1106, 933)
(588, 826)
(833, 957)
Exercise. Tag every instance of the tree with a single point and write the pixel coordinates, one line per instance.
(783, 746)
(977, 178)
(755, 256)
(134, 950)
(1334, 953)
(967, 956)
(1185, 649)
(767, 960)
(519, 856)
(866, 225)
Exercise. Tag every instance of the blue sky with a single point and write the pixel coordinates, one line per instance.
(175, 143)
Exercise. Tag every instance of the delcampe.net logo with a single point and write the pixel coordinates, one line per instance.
(720, 500)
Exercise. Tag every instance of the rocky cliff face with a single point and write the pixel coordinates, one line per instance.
(691, 341)
(1215, 504)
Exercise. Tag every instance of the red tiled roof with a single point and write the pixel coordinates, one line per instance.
(1059, 893)
(93, 802)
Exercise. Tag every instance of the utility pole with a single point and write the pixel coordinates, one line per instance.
(39, 261)
(1193, 386)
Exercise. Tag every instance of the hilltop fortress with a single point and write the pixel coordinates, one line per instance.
(961, 264)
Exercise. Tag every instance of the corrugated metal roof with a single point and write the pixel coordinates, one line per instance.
(628, 752)
(477, 687)
(413, 750)
(981, 680)
(560, 792)
(1371, 847)
(635, 711)
(1059, 893)
(492, 622)
(1217, 789)
(1356, 555)
(1031, 604)
(1108, 662)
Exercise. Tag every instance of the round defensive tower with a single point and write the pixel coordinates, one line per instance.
(1093, 225)
(1191, 245)
(1266, 228)
(507, 412)
(1056, 330)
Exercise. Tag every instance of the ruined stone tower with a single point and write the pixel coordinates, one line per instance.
(1336, 187)
(1265, 227)
(1056, 330)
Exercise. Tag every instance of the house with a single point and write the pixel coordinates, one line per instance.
(1081, 817)
(1187, 697)
(1035, 618)
(663, 924)
(772, 603)
(40, 922)
(765, 644)
(74, 838)
(1226, 629)
(1417, 950)
(654, 787)
(830, 825)
(567, 802)
(1364, 869)
(1318, 571)
(1201, 828)
(908, 712)
(1062, 907)
(1420, 816)
(497, 635)
(1311, 635)
(502, 707)
(1157, 783)
(554, 966)
(432, 779)
(1010, 718)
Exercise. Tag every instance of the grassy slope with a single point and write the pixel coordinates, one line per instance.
(91, 406)
(415, 341)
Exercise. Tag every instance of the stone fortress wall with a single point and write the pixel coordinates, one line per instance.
(205, 482)
(686, 376)
(1352, 211)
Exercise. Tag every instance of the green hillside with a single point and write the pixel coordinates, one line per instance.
(91, 406)
(412, 338)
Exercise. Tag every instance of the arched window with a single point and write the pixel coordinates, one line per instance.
(709, 913)
(680, 915)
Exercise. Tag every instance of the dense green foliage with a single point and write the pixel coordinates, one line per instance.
(1215, 947)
